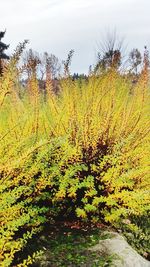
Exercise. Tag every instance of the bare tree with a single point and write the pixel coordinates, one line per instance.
(31, 60)
(146, 60)
(110, 54)
(135, 59)
(52, 65)
(67, 63)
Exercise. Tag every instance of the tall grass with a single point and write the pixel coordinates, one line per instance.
(83, 152)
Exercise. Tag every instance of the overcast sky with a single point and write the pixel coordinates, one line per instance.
(56, 26)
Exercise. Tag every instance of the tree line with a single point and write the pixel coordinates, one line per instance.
(109, 56)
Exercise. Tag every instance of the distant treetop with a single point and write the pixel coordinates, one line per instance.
(2, 34)
(3, 55)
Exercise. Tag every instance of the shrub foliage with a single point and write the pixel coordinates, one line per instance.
(82, 153)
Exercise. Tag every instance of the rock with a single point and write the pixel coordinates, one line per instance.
(124, 254)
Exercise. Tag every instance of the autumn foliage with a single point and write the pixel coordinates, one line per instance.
(82, 153)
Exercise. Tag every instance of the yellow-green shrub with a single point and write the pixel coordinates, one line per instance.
(81, 153)
(107, 122)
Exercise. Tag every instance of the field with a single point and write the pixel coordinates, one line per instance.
(79, 155)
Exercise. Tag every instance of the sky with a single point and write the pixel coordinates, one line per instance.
(57, 26)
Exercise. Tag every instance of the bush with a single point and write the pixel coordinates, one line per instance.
(81, 153)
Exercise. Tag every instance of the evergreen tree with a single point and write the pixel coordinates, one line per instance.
(3, 47)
